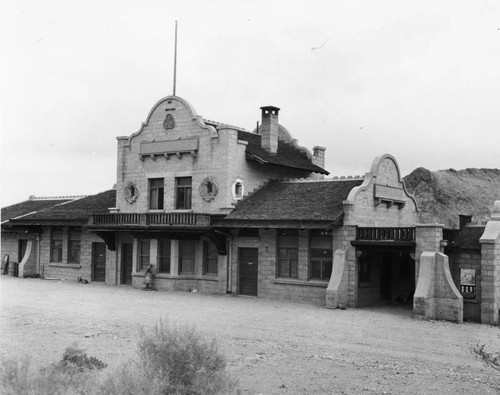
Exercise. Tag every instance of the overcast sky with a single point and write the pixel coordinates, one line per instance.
(417, 79)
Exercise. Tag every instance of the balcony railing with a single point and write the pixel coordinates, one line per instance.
(468, 291)
(154, 219)
(385, 234)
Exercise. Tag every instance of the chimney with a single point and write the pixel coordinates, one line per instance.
(269, 129)
(318, 159)
(464, 220)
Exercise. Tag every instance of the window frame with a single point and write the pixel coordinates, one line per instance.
(321, 236)
(74, 245)
(156, 199)
(53, 231)
(184, 193)
(187, 248)
(163, 257)
(209, 266)
(287, 252)
(141, 254)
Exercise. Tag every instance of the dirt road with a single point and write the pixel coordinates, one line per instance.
(273, 347)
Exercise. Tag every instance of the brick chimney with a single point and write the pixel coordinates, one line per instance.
(269, 128)
(318, 159)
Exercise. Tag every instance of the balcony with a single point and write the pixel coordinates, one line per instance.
(151, 220)
(388, 236)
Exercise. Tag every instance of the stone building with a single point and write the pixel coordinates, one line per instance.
(214, 208)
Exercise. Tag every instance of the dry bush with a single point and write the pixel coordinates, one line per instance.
(490, 358)
(171, 360)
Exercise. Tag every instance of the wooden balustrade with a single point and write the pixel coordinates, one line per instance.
(385, 234)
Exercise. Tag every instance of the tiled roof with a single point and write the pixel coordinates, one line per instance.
(288, 155)
(297, 201)
(29, 206)
(79, 210)
(469, 237)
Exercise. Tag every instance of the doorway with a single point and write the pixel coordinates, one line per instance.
(126, 269)
(99, 262)
(248, 271)
(22, 246)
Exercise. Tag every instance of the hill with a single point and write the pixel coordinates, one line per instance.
(444, 194)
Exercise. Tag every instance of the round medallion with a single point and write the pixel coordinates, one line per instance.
(131, 192)
(208, 189)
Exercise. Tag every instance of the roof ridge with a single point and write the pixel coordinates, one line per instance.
(71, 197)
(333, 179)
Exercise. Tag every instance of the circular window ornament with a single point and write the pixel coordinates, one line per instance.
(131, 192)
(208, 189)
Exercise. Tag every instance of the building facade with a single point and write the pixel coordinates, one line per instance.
(215, 208)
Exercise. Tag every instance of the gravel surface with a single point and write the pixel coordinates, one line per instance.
(273, 347)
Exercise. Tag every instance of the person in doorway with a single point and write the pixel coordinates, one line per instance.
(148, 278)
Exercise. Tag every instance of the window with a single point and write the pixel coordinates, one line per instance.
(143, 247)
(156, 193)
(74, 241)
(288, 253)
(186, 256)
(364, 273)
(183, 193)
(238, 189)
(320, 255)
(56, 245)
(209, 258)
(164, 256)
(468, 283)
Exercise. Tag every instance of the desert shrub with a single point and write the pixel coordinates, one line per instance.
(22, 377)
(490, 358)
(75, 358)
(179, 360)
(170, 360)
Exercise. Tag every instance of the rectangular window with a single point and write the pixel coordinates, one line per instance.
(156, 186)
(56, 244)
(320, 255)
(209, 258)
(288, 253)
(468, 283)
(187, 250)
(183, 193)
(143, 247)
(164, 256)
(74, 241)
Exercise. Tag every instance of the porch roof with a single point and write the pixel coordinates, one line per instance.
(305, 203)
(71, 211)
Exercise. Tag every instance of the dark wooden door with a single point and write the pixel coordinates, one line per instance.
(249, 268)
(127, 249)
(98, 261)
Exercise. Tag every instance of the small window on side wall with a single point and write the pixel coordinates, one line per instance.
(238, 189)
(468, 283)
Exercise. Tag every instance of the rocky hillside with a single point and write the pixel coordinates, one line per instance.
(443, 195)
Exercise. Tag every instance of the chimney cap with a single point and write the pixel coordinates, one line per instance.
(270, 109)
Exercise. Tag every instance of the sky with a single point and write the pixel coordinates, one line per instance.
(417, 79)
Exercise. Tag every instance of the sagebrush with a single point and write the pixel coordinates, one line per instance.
(170, 360)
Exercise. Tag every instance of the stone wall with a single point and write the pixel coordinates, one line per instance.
(468, 259)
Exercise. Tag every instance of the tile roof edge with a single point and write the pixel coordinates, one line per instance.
(73, 197)
(336, 179)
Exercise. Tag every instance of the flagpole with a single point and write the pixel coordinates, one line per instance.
(175, 57)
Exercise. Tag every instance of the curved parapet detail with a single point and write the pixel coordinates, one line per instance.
(167, 102)
(382, 189)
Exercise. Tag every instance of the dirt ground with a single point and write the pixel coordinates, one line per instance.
(273, 347)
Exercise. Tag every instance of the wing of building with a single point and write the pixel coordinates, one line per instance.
(215, 208)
